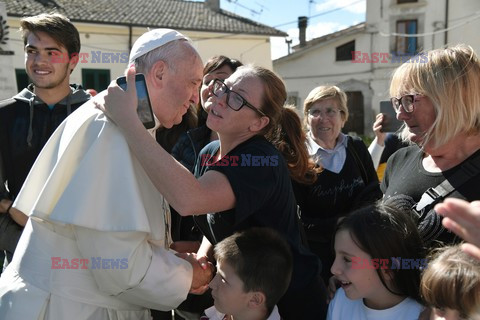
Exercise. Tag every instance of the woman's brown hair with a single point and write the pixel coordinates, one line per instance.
(284, 130)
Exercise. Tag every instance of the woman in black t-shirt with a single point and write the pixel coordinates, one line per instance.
(244, 178)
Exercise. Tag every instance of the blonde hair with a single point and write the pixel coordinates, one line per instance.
(324, 93)
(452, 280)
(450, 78)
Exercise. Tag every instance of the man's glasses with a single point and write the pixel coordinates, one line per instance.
(406, 101)
(234, 100)
(329, 112)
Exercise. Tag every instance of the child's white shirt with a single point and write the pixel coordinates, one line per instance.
(341, 307)
(213, 314)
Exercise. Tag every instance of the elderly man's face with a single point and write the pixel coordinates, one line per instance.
(180, 89)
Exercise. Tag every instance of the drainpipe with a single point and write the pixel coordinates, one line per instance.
(446, 21)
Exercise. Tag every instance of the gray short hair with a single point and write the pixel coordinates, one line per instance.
(169, 53)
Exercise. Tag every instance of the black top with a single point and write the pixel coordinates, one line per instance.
(26, 123)
(392, 144)
(264, 196)
(189, 145)
(406, 180)
(335, 194)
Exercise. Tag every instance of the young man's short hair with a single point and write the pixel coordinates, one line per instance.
(56, 26)
(261, 258)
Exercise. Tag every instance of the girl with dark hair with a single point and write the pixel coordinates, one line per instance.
(378, 259)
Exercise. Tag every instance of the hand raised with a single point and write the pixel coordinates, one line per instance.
(463, 218)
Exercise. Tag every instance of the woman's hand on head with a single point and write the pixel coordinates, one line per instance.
(121, 106)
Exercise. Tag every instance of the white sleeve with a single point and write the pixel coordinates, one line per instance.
(139, 272)
(375, 151)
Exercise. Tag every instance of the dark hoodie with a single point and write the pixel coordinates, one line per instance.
(26, 123)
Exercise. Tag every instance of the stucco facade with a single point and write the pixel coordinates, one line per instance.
(100, 43)
(316, 63)
(108, 28)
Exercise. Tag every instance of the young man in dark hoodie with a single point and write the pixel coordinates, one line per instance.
(29, 118)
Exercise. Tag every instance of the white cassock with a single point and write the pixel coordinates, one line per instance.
(89, 198)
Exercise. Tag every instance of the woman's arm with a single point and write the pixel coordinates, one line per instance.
(376, 150)
(206, 249)
(378, 144)
(17, 215)
(210, 193)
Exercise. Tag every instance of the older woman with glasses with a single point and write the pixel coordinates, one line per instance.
(244, 178)
(348, 179)
(439, 104)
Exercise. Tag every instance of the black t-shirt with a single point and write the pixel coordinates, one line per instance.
(392, 144)
(406, 180)
(335, 194)
(260, 180)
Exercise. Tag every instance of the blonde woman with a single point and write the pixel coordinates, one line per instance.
(439, 104)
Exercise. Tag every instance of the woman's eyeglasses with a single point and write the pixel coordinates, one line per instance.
(329, 112)
(406, 101)
(234, 100)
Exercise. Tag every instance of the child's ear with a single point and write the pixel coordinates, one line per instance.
(257, 299)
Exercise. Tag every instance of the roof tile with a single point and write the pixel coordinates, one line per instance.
(175, 14)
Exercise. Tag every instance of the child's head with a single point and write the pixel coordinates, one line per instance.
(365, 243)
(452, 281)
(254, 268)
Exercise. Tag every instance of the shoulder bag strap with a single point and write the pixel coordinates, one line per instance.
(468, 170)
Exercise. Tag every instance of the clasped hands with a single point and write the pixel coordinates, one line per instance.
(203, 271)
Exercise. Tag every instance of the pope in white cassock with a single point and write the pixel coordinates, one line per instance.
(96, 244)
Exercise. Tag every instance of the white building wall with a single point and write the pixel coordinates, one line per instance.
(466, 15)
(463, 16)
(7, 73)
(317, 65)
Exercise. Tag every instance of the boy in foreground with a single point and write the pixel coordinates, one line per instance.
(254, 268)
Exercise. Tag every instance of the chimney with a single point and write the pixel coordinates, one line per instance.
(302, 26)
(213, 4)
